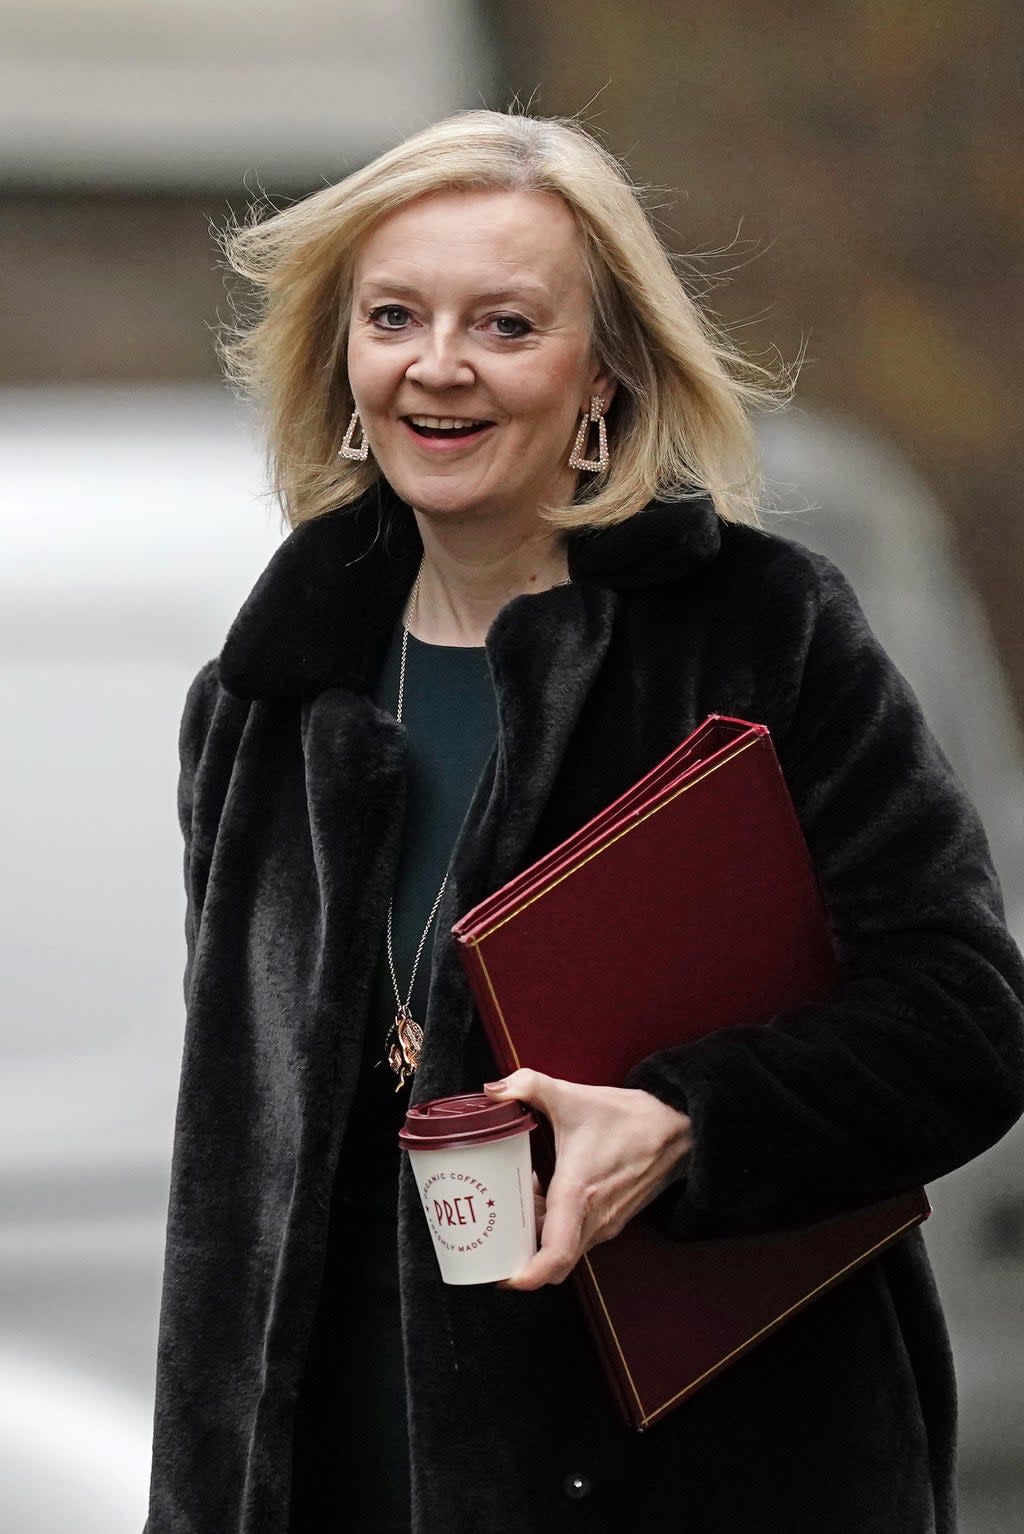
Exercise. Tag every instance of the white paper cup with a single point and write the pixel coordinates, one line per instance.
(471, 1160)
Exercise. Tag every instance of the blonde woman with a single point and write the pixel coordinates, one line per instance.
(524, 562)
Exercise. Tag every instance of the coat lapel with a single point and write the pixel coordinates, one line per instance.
(313, 903)
(355, 779)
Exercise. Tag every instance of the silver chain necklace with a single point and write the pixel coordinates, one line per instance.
(403, 1050)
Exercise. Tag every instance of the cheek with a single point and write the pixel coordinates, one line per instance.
(544, 430)
(373, 374)
(544, 398)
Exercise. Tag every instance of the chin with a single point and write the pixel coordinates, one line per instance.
(436, 496)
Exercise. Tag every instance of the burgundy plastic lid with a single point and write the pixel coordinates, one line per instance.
(470, 1119)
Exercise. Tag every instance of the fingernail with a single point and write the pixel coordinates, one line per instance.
(495, 1086)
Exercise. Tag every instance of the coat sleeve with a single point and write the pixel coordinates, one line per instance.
(917, 1064)
(193, 733)
(192, 736)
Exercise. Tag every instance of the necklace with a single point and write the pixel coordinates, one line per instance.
(405, 1036)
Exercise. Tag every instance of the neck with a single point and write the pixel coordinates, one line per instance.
(471, 570)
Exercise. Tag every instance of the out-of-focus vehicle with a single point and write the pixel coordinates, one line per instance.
(137, 524)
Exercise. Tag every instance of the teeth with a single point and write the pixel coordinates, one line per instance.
(441, 422)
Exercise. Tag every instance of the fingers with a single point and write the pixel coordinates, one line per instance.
(610, 1147)
(529, 1086)
(561, 1247)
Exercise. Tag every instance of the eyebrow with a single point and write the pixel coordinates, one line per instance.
(534, 291)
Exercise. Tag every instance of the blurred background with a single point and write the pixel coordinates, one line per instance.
(847, 178)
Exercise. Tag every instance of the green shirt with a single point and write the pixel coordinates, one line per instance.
(450, 714)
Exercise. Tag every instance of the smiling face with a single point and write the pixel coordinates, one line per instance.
(473, 307)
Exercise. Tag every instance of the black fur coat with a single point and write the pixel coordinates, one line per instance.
(291, 801)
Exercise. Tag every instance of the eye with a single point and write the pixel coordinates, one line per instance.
(383, 315)
(523, 326)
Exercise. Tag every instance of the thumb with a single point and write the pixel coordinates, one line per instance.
(526, 1085)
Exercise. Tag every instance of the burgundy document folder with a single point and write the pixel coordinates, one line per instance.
(689, 904)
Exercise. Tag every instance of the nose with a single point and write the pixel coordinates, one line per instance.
(440, 361)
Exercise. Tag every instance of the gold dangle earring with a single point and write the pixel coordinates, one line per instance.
(360, 453)
(576, 459)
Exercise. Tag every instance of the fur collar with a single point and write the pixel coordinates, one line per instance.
(323, 610)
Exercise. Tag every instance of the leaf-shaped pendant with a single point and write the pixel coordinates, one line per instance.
(404, 1052)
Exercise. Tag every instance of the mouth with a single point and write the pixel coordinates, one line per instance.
(445, 431)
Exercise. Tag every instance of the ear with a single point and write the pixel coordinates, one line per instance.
(601, 382)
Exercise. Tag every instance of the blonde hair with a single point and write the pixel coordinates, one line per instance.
(678, 424)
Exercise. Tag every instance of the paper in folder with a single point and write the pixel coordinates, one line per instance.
(688, 905)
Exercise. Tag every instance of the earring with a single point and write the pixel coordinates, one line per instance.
(360, 453)
(576, 459)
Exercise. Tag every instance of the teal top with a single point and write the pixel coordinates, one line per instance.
(450, 714)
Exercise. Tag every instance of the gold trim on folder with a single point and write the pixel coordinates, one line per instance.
(647, 1417)
(638, 821)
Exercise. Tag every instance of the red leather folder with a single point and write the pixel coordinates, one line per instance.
(689, 904)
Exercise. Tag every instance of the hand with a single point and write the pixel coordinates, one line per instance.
(616, 1148)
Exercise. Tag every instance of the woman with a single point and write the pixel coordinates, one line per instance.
(525, 563)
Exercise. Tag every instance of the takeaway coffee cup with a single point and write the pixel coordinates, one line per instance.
(471, 1162)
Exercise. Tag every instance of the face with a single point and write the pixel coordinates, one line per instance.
(473, 307)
